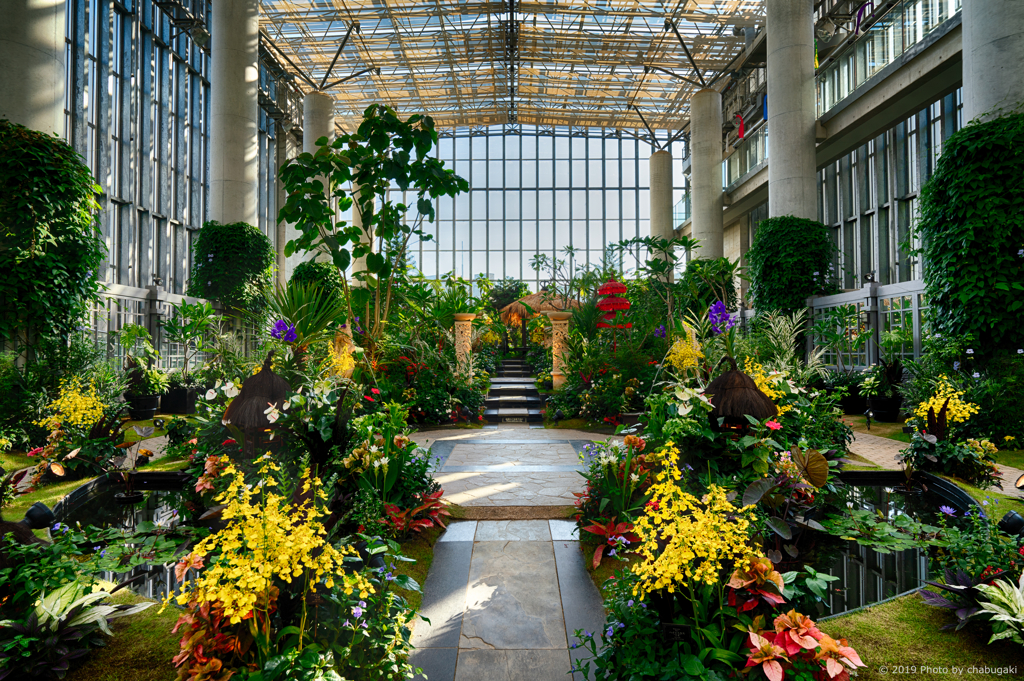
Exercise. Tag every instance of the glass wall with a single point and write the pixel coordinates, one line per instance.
(538, 190)
(870, 196)
(136, 108)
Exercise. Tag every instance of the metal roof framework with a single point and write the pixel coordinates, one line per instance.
(619, 64)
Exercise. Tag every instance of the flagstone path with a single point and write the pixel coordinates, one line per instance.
(504, 596)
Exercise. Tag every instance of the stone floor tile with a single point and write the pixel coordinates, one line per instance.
(563, 530)
(513, 530)
(444, 596)
(513, 601)
(512, 665)
(438, 664)
(461, 531)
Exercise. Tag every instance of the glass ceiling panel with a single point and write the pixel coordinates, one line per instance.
(536, 62)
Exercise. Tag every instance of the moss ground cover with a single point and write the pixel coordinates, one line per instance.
(141, 649)
(13, 461)
(906, 633)
(1011, 457)
(419, 547)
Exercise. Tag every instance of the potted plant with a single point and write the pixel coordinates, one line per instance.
(189, 328)
(145, 382)
(851, 400)
(881, 388)
(843, 335)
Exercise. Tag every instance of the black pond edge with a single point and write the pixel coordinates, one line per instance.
(952, 493)
(142, 480)
(862, 608)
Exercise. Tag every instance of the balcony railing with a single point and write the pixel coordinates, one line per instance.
(899, 29)
(681, 211)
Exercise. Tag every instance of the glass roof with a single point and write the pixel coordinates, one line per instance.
(589, 63)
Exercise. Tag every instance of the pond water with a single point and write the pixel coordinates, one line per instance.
(867, 576)
(99, 508)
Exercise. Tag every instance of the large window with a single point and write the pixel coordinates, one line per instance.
(870, 196)
(137, 108)
(538, 190)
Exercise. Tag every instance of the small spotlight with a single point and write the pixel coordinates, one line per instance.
(158, 423)
(1020, 483)
(200, 36)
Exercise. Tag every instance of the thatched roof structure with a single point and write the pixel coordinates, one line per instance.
(540, 302)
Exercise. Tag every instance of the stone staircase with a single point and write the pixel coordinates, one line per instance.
(513, 396)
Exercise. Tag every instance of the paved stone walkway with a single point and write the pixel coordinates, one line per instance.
(504, 597)
(883, 452)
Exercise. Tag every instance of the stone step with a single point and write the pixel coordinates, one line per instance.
(507, 401)
(511, 380)
(513, 415)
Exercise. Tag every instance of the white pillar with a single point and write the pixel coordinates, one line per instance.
(32, 64)
(317, 120)
(559, 332)
(706, 173)
(287, 149)
(661, 195)
(993, 51)
(359, 264)
(234, 111)
(792, 168)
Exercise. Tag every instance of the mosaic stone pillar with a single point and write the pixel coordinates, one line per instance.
(464, 342)
(559, 331)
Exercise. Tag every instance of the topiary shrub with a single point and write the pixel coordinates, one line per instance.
(231, 263)
(50, 246)
(972, 230)
(323, 275)
(790, 261)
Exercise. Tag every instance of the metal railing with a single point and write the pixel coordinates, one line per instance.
(907, 23)
(893, 307)
(681, 211)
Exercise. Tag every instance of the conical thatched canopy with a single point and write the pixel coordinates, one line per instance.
(258, 392)
(538, 302)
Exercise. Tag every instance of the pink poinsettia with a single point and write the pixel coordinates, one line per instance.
(767, 655)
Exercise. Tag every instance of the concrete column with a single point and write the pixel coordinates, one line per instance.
(317, 120)
(559, 332)
(661, 195)
(993, 51)
(706, 174)
(359, 264)
(32, 64)
(464, 343)
(792, 169)
(234, 80)
(287, 149)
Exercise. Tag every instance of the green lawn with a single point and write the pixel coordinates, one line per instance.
(906, 633)
(1011, 457)
(14, 461)
(996, 504)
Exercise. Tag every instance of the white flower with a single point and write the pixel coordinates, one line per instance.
(976, 375)
(272, 413)
(1020, 351)
(211, 394)
(231, 390)
(224, 422)
(634, 478)
(970, 351)
(217, 385)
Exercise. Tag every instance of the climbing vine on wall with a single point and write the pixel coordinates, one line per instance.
(50, 246)
(972, 230)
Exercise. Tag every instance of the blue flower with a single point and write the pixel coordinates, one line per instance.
(608, 634)
(948, 510)
(956, 366)
(721, 320)
(284, 330)
(357, 612)
(660, 331)
(629, 603)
